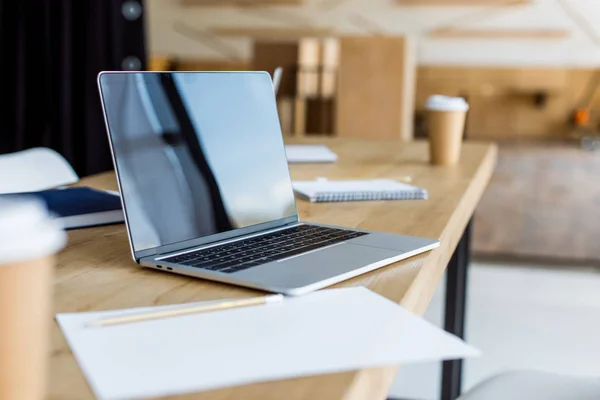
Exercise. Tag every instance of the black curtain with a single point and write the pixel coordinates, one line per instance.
(50, 54)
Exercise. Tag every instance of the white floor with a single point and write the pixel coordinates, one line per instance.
(520, 317)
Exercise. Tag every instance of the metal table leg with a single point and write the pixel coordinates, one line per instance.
(456, 296)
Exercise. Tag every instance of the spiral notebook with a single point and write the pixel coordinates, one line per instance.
(323, 190)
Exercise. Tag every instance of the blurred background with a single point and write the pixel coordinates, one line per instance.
(530, 70)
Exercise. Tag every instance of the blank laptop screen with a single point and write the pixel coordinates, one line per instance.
(197, 153)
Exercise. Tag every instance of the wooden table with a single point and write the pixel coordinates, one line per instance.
(96, 271)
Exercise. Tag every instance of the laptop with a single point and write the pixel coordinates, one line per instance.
(206, 189)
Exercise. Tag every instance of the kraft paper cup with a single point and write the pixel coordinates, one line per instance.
(446, 120)
(29, 240)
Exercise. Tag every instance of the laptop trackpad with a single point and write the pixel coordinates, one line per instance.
(316, 266)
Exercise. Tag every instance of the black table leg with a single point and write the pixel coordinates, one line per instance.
(454, 318)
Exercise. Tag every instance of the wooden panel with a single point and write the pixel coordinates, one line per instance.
(537, 80)
(302, 61)
(594, 101)
(502, 99)
(96, 272)
(330, 53)
(309, 59)
(160, 63)
(276, 34)
(300, 116)
(190, 64)
(285, 109)
(268, 55)
(330, 60)
(320, 113)
(375, 96)
(455, 33)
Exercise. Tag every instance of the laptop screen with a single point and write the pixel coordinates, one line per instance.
(197, 154)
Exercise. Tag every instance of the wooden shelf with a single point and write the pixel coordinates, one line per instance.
(203, 64)
(276, 34)
(455, 33)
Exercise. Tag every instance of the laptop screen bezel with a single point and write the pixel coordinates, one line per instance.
(197, 242)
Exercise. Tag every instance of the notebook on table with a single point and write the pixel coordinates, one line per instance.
(80, 207)
(323, 190)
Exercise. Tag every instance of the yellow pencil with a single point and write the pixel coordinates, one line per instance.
(197, 309)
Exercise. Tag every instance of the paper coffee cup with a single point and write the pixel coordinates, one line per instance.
(446, 120)
(28, 241)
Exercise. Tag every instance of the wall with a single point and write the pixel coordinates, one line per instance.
(175, 29)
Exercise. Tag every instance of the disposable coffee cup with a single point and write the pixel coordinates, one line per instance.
(446, 120)
(29, 240)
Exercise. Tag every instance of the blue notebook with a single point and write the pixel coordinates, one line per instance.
(81, 207)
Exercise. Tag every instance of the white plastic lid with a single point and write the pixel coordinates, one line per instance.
(26, 230)
(445, 103)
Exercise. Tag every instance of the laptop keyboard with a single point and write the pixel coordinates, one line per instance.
(248, 253)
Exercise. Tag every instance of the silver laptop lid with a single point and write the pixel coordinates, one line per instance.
(199, 156)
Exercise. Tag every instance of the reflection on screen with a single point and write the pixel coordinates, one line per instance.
(196, 153)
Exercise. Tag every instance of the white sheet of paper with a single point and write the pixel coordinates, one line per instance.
(304, 153)
(324, 332)
(35, 169)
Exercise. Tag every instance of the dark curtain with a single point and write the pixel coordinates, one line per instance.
(50, 54)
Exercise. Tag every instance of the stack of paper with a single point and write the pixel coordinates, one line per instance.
(324, 332)
(297, 153)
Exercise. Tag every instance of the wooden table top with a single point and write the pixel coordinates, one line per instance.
(96, 271)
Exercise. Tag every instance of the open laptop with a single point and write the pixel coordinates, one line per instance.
(206, 189)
